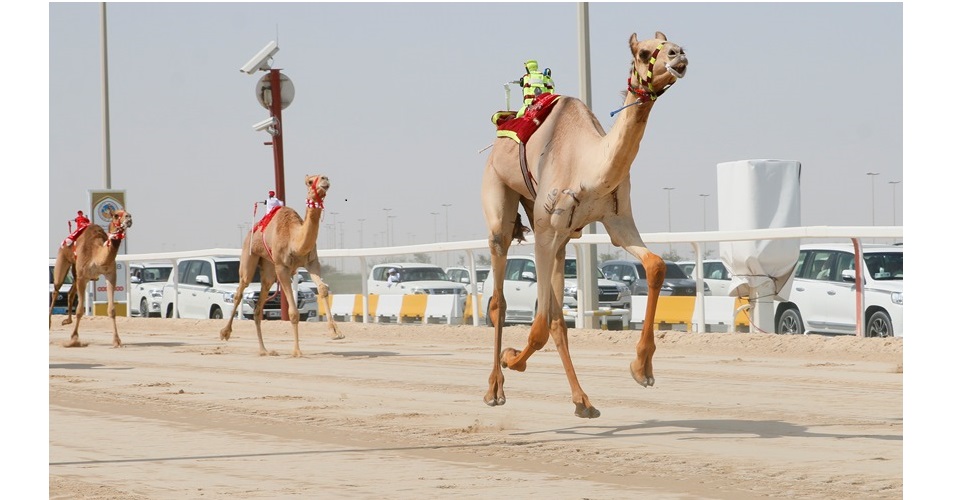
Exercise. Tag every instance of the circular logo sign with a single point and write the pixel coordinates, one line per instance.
(265, 96)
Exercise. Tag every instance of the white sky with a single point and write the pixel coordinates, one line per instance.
(393, 102)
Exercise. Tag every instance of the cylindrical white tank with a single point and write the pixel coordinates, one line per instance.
(759, 194)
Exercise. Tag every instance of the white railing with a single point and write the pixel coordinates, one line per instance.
(696, 239)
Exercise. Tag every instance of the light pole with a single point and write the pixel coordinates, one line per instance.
(873, 175)
(704, 199)
(435, 214)
(894, 200)
(361, 233)
(334, 234)
(387, 227)
(447, 228)
(669, 189)
(390, 229)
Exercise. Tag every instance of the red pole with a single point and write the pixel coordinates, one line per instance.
(278, 146)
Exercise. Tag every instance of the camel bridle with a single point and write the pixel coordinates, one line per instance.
(645, 88)
(117, 232)
(316, 200)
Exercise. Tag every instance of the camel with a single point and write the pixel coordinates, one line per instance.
(578, 175)
(285, 244)
(92, 255)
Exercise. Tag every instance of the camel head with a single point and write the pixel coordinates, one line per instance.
(120, 220)
(317, 186)
(657, 65)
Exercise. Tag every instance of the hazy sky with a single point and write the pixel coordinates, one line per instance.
(393, 102)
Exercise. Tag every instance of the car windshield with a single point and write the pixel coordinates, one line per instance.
(423, 274)
(570, 270)
(229, 272)
(674, 271)
(885, 266)
(155, 274)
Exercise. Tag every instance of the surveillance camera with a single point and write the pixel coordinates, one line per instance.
(262, 60)
(266, 124)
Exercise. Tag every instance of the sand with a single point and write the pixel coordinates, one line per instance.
(396, 411)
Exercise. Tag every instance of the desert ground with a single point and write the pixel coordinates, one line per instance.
(396, 411)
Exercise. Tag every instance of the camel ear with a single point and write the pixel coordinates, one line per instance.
(307, 180)
(632, 42)
(660, 36)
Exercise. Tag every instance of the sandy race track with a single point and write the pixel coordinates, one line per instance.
(396, 411)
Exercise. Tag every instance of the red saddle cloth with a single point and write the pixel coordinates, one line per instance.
(521, 129)
(74, 235)
(266, 220)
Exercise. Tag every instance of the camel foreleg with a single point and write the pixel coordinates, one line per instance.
(324, 303)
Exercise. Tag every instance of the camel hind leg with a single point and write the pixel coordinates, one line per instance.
(74, 341)
(500, 211)
(111, 278)
(61, 267)
(323, 298)
(248, 267)
(284, 277)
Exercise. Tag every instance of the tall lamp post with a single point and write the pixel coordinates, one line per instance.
(872, 175)
(274, 91)
(434, 236)
(669, 189)
(360, 233)
(704, 199)
(387, 227)
(447, 228)
(894, 202)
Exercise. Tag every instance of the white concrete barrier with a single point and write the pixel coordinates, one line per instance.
(388, 308)
(442, 307)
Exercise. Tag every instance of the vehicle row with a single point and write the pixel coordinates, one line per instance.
(822, 296)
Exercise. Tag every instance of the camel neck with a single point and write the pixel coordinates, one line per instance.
(625, 136)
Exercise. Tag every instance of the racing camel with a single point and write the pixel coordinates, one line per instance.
(278, 246)
(577, 175)
(92, 255)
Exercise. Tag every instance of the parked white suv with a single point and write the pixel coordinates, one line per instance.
(462, 275)
(146, 287)
(413, 278)
(206, 287)
(822, 297)
(520, 292)
(717, 277)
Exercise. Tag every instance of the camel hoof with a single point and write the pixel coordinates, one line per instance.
(639, 377)
(336, 336)
(586, 412)
(225, 334)
(495, 401)
(508, 354)
(66, 322)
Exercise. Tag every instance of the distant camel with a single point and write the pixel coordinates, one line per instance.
(285, 244)
(92, 255)
(578, 175)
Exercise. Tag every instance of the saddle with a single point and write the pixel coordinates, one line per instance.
(520, 129)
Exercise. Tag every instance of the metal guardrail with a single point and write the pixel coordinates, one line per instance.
(695, 239)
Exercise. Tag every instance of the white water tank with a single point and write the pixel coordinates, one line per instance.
(759, 194)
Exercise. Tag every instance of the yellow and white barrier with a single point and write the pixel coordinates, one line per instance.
(398, 308)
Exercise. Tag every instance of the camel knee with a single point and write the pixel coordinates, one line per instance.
(656, 269)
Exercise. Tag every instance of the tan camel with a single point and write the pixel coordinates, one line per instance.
(92, 255)
(287, 243)
(579, 175)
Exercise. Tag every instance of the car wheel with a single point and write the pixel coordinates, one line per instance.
(880, 325)
(216, 313)
(790, 322)
(487, 317)
(143, 308)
